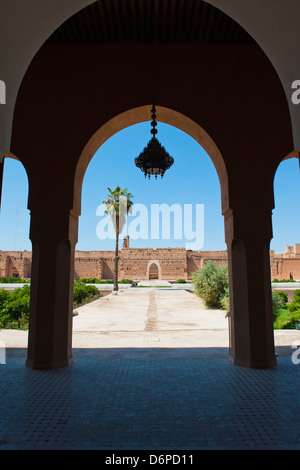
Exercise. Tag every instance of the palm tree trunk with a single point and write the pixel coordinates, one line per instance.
(116, 255)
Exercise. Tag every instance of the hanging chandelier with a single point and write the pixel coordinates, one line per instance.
(154, 160)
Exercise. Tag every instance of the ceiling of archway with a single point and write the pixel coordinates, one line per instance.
(179, 21)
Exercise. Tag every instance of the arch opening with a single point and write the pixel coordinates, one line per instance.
(164, 265)
(285, 245)
(14, 215)
(153, 270)
(142, 114)
(285, 224)
(15, 247)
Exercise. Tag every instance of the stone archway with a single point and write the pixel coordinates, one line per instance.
(153, 270)
(141, 114)
(250, 143)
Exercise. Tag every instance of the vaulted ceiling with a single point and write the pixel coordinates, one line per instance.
(179, 21)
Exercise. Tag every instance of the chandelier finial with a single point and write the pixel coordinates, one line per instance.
(153, 123)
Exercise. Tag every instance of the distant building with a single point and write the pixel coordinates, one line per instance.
(148, 263)
(286, 265)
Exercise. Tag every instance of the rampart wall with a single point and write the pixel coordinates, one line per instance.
(137, 263)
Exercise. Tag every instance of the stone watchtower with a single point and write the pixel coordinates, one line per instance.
(125, 242)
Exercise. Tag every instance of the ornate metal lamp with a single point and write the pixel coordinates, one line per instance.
(154, 160)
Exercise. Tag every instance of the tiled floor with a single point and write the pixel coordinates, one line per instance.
(114, 402)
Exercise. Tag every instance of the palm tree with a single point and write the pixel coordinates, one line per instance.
(118, 203)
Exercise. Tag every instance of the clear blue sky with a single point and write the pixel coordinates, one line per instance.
(192, 180)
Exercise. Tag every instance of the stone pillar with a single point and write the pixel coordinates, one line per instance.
(53, 233)
(248, 234)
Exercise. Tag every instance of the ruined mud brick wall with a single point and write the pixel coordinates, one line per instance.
(291, 269)
(286, 265)
(15, 264)
(276, 264)
(285, 268)
(196, 259)
(27, 266)
(135, 263)
(2, 264)
(108, 268)
(97, 264)
(86, 268)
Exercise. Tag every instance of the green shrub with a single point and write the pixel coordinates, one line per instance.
(4, 296)
(225, 300)
(14, 308)
(82, 291)
(288, 316)
(284, 296)
(286, 320)
(211, 284)
(279, 301)
(181, 281)
(13, 280)
(91, 291)
(295, 304)
(89, 280)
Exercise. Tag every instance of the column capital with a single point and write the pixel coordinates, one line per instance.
(51, 225)
(252, 226)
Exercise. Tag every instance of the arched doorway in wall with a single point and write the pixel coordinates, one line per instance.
(153, 270)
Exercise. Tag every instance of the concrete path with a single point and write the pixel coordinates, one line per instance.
(150, 317)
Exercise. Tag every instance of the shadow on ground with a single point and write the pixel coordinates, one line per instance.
(143, 353)
(149, 399)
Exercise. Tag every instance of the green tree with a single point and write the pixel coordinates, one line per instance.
(211, 284)
(118, 203)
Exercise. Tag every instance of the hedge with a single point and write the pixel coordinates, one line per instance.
(14, 305)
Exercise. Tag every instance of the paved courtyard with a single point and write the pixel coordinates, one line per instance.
(151, 371)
